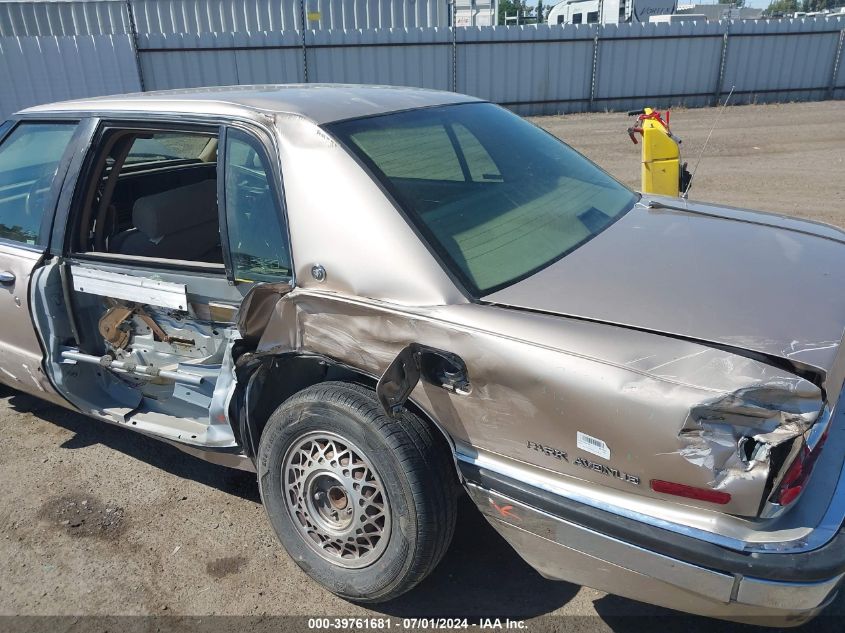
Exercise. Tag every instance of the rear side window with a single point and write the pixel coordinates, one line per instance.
(495, 197)
(257, 234)
(29, 158)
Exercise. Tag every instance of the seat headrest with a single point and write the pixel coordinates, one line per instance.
(176, 209)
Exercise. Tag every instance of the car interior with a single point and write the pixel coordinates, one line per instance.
(155, 196)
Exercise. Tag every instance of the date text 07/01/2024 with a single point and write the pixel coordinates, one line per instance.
(415, 623)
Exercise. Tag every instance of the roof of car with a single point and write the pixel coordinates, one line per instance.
(322, 103)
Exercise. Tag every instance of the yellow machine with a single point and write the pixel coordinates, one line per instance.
(662, 172)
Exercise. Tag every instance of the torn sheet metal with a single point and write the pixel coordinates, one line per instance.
(257, 308)
(732, 437)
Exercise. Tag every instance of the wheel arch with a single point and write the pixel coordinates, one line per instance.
(268, 381)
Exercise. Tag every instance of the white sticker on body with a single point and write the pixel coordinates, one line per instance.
(592, 445)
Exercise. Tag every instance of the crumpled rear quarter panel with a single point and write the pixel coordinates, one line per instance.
(537, 380)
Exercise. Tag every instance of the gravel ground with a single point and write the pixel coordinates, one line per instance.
(99, 521)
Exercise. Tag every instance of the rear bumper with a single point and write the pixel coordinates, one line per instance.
(592, 547)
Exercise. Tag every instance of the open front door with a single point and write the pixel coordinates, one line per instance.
(34, 156)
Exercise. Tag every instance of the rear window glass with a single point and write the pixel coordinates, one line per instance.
(496, 197)
(420, 152)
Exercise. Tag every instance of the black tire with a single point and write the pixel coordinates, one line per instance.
(414, 467)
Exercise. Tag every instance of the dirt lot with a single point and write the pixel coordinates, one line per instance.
(95, 520)
(784, 158)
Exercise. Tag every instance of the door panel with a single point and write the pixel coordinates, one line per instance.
(32, 166)
(20, 351)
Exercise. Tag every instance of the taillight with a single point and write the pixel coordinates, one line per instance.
(793, 481)
(690, 492)
(798, 472)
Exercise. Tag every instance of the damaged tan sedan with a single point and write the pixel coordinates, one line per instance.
(373, 296)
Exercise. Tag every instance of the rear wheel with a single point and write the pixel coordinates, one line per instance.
(365, 504)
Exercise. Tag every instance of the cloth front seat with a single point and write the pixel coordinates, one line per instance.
(180, 223)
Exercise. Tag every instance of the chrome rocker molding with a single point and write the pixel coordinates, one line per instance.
(225, 456)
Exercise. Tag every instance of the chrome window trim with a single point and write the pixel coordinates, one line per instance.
(152, 262)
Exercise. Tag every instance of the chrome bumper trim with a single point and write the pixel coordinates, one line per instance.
(562, 550)
(502, 468)
(798, 596)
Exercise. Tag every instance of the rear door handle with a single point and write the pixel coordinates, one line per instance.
(7, 278)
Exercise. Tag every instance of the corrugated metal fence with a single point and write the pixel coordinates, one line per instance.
(46, 68)
(94, 17)
(85, 48)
